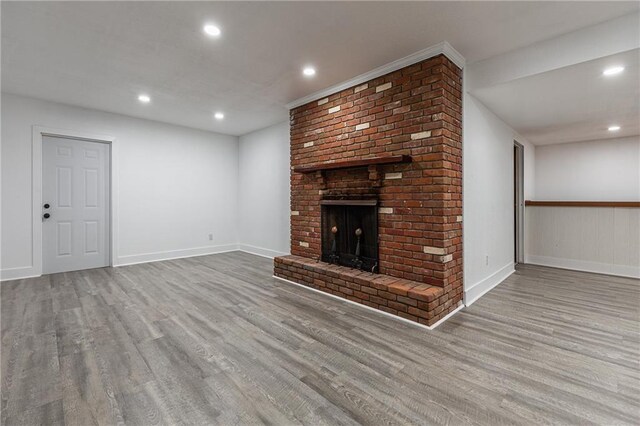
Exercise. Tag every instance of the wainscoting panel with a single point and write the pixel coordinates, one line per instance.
(594, 239)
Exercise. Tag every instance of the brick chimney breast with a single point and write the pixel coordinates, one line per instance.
(415, 111)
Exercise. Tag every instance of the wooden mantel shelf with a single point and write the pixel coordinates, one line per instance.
(346, 164)
(583, 203)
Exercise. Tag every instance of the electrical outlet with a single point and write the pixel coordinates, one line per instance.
(210, 237)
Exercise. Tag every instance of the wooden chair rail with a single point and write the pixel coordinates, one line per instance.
(627, 204)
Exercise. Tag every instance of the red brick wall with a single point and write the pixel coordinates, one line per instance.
(415, 111)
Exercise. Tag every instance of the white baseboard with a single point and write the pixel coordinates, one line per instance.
(30, 272)
(478, 289)
(585, 266)
(378, 311)
(259, 251)
(173, 254)
(10, 274)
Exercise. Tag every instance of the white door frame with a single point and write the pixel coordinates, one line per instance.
(36, 187)
(519, 202)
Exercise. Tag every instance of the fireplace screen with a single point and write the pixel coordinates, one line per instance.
(350, 233)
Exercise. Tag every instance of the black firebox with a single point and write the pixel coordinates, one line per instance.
(350, 233)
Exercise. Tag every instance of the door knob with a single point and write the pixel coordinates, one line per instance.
(46, 215)
(46, 206)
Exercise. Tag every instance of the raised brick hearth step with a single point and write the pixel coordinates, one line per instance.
(412, 300)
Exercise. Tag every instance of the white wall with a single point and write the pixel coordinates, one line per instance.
(264, 206)
(488, 197)
(607, 170)
(594, 239)
(175, 185)
(530, 152)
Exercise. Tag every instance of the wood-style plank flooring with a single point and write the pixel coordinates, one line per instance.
(216, 340)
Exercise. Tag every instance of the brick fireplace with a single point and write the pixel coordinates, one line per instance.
(394, 144)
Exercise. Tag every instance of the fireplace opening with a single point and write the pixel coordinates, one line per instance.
(350, 233)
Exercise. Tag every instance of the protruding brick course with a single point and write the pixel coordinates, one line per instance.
(383, 87)
(360, 88)
(434, 250)
(414, 111)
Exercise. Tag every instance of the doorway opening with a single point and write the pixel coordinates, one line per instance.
(72, 201)
(518, 202)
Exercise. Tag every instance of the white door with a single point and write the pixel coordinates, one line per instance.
(75, 204)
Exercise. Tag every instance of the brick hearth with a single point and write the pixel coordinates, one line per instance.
(417, 112)
(408, 299)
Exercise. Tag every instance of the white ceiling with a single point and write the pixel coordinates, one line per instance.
(573, 103)
(103, 54)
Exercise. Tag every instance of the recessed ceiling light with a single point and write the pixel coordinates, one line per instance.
(218, 115)
(614, 128)
(145, 99)
(613, 71)
(309, 71)
(211, 30)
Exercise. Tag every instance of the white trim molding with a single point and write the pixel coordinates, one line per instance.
(31, 272)
(19, 273)
(158, 256)
(259, 251)
(378, 311)
(443, 48)
(627, 271)
(480, 288)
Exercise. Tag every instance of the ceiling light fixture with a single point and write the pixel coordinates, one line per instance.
(145, 99)
(309, 71)
(218, 115)
(613, 71)
(211, 30)
(614, 128)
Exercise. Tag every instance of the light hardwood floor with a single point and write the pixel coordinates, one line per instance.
(216, 340)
